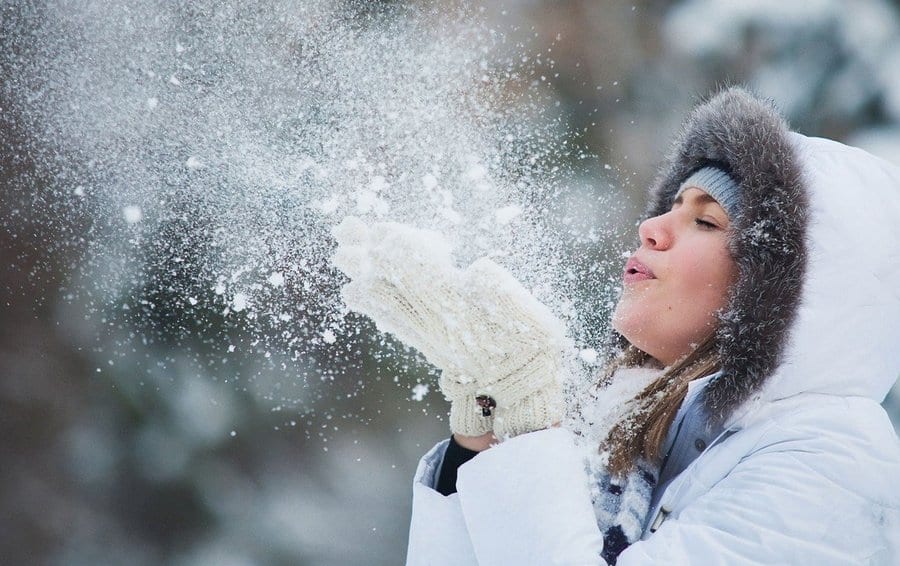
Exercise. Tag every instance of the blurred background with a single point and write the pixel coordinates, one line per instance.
(143, 424)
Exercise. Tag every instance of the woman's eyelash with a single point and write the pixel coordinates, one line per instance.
(704, 223)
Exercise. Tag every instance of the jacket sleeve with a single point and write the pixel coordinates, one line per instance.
(527, 501)
(437, 531)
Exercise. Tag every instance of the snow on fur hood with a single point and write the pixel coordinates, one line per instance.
(816, 308)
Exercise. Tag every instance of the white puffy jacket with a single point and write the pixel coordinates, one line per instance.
(810, 470)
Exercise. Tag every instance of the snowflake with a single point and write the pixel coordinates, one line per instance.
(419, 391)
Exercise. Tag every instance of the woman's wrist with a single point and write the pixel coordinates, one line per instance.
(476, 443)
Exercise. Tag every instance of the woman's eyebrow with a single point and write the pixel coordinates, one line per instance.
(701, 198)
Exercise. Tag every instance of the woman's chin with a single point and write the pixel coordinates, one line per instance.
(628, 320)
(639, 331)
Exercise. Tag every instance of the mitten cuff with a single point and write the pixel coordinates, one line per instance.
(538, 411)
(467, 419)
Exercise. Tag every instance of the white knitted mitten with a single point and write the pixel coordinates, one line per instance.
(498, 348)
(519, 345)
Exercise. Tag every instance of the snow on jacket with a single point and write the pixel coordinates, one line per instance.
(807, 468)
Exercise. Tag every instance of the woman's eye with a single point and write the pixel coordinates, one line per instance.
(704, 224)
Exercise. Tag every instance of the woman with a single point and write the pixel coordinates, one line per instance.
(762, 316)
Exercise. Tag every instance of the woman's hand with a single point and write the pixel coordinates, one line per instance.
(499, 349)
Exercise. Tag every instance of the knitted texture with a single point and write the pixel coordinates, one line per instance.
(717, 184)
(466, 416)
(486, 333)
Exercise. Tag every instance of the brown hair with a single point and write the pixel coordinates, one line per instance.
(642, 432)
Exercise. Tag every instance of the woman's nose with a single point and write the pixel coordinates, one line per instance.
(655, 233)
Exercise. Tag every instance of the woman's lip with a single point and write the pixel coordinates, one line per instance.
(635, 277)
(637, 271)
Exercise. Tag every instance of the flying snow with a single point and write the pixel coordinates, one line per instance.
(132, 214)
(212, 148)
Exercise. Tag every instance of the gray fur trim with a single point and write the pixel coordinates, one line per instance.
(748, 138)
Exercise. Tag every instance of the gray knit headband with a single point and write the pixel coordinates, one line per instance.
(718, 184)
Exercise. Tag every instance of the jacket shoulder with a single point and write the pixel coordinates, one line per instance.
(848, 441)
(811, 481)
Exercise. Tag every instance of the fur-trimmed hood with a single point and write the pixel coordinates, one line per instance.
(816, 308)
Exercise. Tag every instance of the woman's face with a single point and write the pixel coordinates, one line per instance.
(677, 279)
